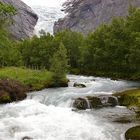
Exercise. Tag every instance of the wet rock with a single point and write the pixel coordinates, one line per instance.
(78, 85)
(80, 103)
(108, 100)
(87, 103)
(90, 102)
(11, 91)
(24, 20)
(27, 138)
(94, 102)
(123, 120)
(133, 133)
(4, 97)
(113, 101)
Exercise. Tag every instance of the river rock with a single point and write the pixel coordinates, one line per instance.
(123, 120)
(90, 102)
(133, 133)
(113, 101)
(11, 91)
(86, 15)
(27, 138)
(87, 103)
(94, 102)
(80, 103)
(78, 85)
(24, 21)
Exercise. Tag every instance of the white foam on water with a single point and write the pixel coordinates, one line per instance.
(48, 115)
(33, 119)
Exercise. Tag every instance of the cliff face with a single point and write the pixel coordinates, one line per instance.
(24, 21)
(86, 15)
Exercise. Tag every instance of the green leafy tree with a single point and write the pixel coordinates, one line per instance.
(59, 62)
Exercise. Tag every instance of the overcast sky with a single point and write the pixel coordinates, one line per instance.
(49, 3)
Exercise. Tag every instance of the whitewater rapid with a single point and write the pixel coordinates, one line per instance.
(48, 115)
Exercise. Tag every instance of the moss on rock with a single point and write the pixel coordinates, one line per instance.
(130, 98)
(133, 133)
(11, 90)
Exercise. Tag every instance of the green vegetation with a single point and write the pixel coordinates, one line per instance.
(133, 133)
(34, 53)
(130, 98)
(59, 64)
(112, 51)
(9, 53)
(33, 79)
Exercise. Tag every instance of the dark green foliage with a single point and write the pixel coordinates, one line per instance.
(114, 50)
(38, 51)
(59, 63)
(73, 42)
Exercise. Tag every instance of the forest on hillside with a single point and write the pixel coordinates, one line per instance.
(113, 50)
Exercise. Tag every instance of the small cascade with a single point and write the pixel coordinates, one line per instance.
(88, 103)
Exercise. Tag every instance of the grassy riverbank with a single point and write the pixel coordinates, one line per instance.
(33, 79)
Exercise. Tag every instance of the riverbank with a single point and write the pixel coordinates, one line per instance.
(112, 75)
(13, 79)
(131, 99)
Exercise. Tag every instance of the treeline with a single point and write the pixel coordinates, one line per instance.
(112, 50)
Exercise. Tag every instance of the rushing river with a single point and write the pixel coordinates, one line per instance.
(48, 115)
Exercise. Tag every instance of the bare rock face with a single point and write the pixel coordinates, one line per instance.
(86, 15)
(24, 21)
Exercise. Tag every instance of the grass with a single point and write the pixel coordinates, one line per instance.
(34, 79)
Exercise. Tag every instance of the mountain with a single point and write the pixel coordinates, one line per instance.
(24, 21)
(86, 15)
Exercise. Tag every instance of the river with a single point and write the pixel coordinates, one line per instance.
(48, 114)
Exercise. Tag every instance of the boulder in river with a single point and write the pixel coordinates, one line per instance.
(80, 103)
(94, 102)
(87, 103)
(11, 90)
(133, 133)
(90, 102)
(113, 101)
(27, 138)
(78, 85)
(123, 120)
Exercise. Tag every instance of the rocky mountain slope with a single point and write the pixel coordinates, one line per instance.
(86, 15)
(24, 21)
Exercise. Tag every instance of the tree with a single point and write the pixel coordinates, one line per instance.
(59, 63)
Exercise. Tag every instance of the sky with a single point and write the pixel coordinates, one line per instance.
(48, 3)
